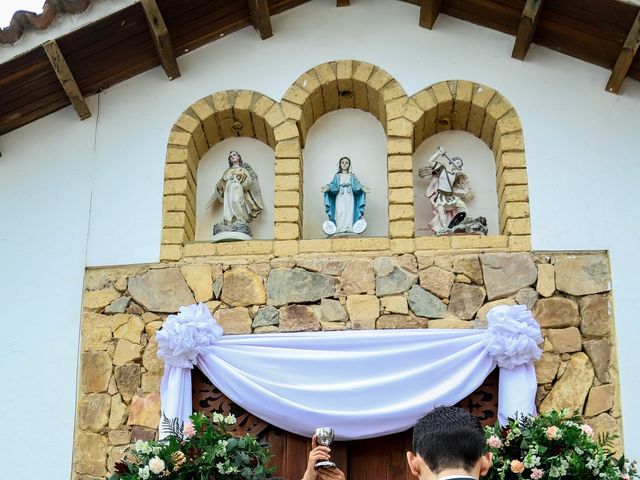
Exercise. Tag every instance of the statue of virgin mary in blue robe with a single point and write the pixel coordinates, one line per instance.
(344, 198)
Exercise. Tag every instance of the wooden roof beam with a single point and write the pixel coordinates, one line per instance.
(66, 79)
(625, 58)
(161, 38)
(261, 18)
(527, 28)
(342, 3)
(429, 11)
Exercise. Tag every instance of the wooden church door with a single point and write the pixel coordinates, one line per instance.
(381, 458)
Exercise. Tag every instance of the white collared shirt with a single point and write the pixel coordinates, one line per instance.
(456, 476)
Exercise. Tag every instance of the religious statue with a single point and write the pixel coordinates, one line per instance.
(239, 192)
(344, 202)
(447, 191)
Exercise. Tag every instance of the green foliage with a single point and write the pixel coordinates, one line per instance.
(553, 445)
(204, 448)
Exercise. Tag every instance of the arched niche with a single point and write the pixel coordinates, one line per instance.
(479, 166)
(486, 114)
(220, 116)
(211, 167)
(285, 126)
(359, 136)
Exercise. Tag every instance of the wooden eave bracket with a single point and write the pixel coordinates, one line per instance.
(66, 79)
(527, 28)
(261, 18)
(342, 3)
(161, 38)
(429, 11)
(623, 63)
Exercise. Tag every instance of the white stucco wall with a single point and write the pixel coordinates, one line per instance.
(89, 193)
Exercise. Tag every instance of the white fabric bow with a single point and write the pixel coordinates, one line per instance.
(186, 335)
(513, 336)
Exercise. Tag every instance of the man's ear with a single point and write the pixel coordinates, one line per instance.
(485, 463)
(414, 463)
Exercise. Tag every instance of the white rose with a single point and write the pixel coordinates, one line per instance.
(142, 447)
(217, 417)
(156, 465)
(230, 419)
(143, 473)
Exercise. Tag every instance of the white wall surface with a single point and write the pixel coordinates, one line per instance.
(60, 178)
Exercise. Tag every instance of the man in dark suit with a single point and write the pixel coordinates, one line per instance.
(448, 444)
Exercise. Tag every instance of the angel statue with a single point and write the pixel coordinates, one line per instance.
(239, 192)
(344, 201)
(447, 191)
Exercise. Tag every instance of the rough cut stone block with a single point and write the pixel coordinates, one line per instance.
(396, 304)
(96, 332)
(198, 278)
(595, 311)
(565, 340)
(96, 300)
(556, 312)
(161, 290)
(600, 400)
(95, 371)
(234, 321)
(583, 274)
(572, 389)
(363, 311)
(357, 277)
(397, 280)
(466, 300)
(333, 311)
(266, 316)
(599, 352)
(299, 318)
(547, 368)
(90, 454)
(242, 287)
(93, 411)
(401, 321)
(437, 281)
(145, 411)
(297, 286)
(424, 304)
(506, 273)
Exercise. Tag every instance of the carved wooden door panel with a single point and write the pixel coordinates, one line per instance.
(382, 458)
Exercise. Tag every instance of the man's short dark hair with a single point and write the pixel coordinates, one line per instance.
(448, 437)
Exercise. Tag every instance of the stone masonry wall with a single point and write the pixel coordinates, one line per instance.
(118, 399)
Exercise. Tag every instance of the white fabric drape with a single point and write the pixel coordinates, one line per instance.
(362, 383)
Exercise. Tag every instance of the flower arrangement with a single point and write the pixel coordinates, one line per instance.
(203, 448)
(553, 445)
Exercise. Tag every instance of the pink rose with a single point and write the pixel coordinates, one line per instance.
(494, 442)
(517, 466)
(587, 430)
(553, 433)
(189, 430)
(537, 473)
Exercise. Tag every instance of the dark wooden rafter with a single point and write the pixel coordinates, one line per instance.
(161, 38)
(625, 58)
(342, 3)
(261, 18)
(526, 28)
(66, 79)
(429, 11)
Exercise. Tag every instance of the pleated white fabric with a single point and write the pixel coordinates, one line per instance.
(362, 383)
